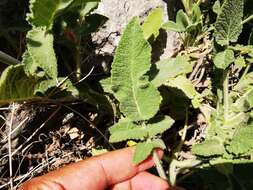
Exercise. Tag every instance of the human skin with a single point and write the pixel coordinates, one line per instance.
(114, 170)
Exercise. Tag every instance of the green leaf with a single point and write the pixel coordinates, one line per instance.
(42, 12)
(153, 23)
(170, 25)
(15, 85)
(240, 62)
(185, 85)
(169, 68)
(159, 125)
(126, 130)
(223, 59)
(182, 22)
(217, 7)
(242, 143)
(39, 59)
(212, 147)
(182, 19)
(61, 87)
(144, 149)
(228, 25)
(139, 99)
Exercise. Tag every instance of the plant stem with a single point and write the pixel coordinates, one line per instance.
(247, 19)
(246, 71)
(158, 166)
(225, 93)
(5, 58)
(78, 62)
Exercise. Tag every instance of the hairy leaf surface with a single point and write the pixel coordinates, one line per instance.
(223, 59)
(39, 59)
(242, 142)
(42, 12)
(15, 85)
(228, 25)
(210, 147)
(169, 68)
(143, 150)
(126, 130)
(159, 126)
(139, 99)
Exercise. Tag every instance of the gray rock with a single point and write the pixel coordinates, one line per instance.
(119, 13)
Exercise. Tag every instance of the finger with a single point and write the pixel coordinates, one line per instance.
(142, 181)
(95, 173)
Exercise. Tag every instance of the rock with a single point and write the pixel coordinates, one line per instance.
(120, 13)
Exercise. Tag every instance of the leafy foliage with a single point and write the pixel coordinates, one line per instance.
(39, 59)
(229, 22)
(15, 85)
(153, 23)
(139, 99)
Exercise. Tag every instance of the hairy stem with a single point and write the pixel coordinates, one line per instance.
(158, 166)
(225, 93)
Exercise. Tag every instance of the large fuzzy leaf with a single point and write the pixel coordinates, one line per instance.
(169, 68)
(159, 125)
(153, 23)
(125, 130)
(139, 99)
(228, 26)
(39, 59)
(15, 85)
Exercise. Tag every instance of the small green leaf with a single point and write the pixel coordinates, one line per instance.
(223, 59)
(15, 85)
(240, 62)
(126, 130)
(228, 25)
(212, 147)
(196, 14)
(159, 125)
(217, 7)
(242, 143)
(139, 99)
(182, 19)
(170, 25)
(40, 59)
(169, 68)
(144, 149)
(185, 85)
(153, 23)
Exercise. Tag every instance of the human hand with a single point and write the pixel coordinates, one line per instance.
(113, 170)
